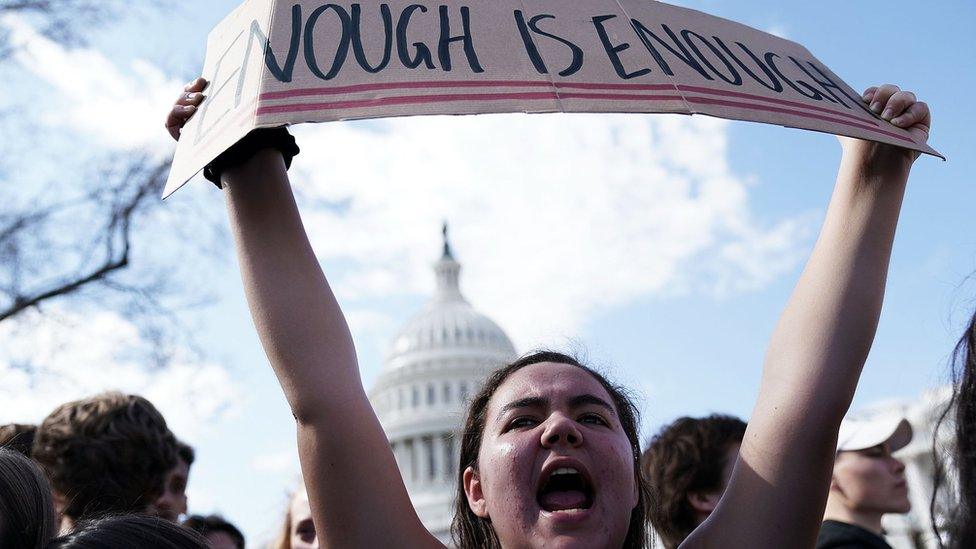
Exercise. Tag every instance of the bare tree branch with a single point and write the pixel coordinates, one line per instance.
(101, 242)
(22, 221)
(116, 238)
(22, 303)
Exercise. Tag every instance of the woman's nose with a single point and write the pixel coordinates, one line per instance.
(561, 431)
(898, 465)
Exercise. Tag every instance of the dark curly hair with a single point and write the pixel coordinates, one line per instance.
(686, 456)
(473, 532)
(109, 453)
(185, 452)
(961, 408)
(18, 437)
(205, 525)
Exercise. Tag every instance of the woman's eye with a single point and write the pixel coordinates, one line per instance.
(593, 418)
(521, 422)
(306, 533)
(875, 452)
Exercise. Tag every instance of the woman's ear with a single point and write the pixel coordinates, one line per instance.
(835, 485)
(473, 491)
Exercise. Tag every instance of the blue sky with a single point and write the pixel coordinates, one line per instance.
(689, 337)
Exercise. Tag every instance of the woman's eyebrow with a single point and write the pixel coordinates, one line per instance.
(583, 400)
(527, 402)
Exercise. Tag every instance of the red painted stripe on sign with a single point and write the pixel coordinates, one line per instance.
(538, 96)
(742, 95)
(624, 96)
(601, 86)
(381, 86)
(360, 88)
(444, 98)
(769, 108)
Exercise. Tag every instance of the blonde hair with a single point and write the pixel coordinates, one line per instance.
(283, 541)
(284, 533)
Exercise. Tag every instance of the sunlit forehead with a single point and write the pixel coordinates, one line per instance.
(546, 386)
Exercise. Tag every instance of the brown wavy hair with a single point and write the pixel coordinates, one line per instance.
(473, 532)
(105, 454)
(686, 456)
(18, 437)
(961, 408)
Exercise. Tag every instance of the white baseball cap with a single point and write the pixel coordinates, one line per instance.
(861, 434)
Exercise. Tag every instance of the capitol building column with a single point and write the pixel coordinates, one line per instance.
(450, 462)
(437, 475)
(415, 460)
(435, 363)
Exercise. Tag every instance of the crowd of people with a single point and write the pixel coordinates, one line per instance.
(106, 472)
(103, 471)
(689, 464)
(549, 452)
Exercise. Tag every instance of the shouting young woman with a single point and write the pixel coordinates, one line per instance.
(549, 453)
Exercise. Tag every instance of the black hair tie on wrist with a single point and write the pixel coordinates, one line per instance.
(242, 151)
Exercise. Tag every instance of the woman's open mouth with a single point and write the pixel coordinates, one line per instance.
(565, 489)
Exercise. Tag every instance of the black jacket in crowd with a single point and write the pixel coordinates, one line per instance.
(840, 535)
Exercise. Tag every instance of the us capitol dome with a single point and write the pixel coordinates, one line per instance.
(436, 362)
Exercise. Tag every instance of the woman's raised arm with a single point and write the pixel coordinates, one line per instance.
(776, 495)
(354, 487)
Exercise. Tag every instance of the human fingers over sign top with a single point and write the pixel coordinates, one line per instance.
(901, 108)
(184, 107)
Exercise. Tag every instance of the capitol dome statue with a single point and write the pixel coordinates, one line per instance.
(436, 362)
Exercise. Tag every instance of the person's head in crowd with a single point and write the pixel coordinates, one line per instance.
(298, 531)
(688, 465)
(129, 532)
(219, 533)
(867, 482)
(27, 517)
(961, 521)
(172, 502)
(18, 437)
(105, 454)
(586, 457)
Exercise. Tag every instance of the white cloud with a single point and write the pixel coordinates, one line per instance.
(59, 356)
(120, 109)
(750, 263)
(554, 217)
(370, 328)
(369, 321)
(281, 462)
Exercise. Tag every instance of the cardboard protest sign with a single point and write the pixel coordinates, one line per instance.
(277, 62)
